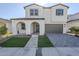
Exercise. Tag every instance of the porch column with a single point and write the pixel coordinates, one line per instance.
(64, 28)
(14, 29)
(28, 28)
(42, 29)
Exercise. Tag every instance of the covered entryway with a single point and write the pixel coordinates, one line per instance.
(35, 27)
(54, 28)
(21, 29)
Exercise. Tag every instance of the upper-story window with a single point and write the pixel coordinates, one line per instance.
(34, 12)
(59, 12)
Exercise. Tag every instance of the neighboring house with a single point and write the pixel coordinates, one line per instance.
(73, 20)
(7, 23)
(41, 20)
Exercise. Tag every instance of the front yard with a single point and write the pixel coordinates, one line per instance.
(43, 41)
(16, 41)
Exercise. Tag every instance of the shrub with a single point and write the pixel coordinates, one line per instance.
(3, 30)
(74, 30)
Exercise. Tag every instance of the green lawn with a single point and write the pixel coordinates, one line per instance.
(43, 41)
(15, 42)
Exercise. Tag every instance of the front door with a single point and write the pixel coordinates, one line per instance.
(35, 28)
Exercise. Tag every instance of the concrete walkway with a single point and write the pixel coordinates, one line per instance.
(33, 42)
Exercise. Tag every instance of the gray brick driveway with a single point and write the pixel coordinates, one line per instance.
(63, 40)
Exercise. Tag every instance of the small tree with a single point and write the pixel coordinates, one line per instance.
(3, 30)
(75, 30)
(72, 29)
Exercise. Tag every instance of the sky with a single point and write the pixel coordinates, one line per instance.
(16, 10)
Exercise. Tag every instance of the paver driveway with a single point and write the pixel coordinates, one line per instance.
(63, 40)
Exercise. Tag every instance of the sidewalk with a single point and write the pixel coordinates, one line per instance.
(60, 51)
(51, 51)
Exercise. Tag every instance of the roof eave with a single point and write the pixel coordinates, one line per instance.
(46, 7)
(60, 4)
(33, 4)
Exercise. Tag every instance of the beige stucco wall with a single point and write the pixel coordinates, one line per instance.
(40, 10)
(48, 13)
(59, 18)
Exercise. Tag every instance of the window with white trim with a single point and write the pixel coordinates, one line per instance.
(59, 12)
(33, 12)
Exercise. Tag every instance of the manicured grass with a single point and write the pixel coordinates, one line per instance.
(43, 41)
(15, 42)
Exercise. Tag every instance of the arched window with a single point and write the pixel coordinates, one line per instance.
(22, 26)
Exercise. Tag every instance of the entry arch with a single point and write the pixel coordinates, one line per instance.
(35, 27)
(21, 28)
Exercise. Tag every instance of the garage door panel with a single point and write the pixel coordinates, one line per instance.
(54, 28)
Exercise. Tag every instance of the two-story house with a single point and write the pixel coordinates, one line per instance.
(41, 20)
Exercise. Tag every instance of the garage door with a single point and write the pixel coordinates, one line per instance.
(54, 28)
